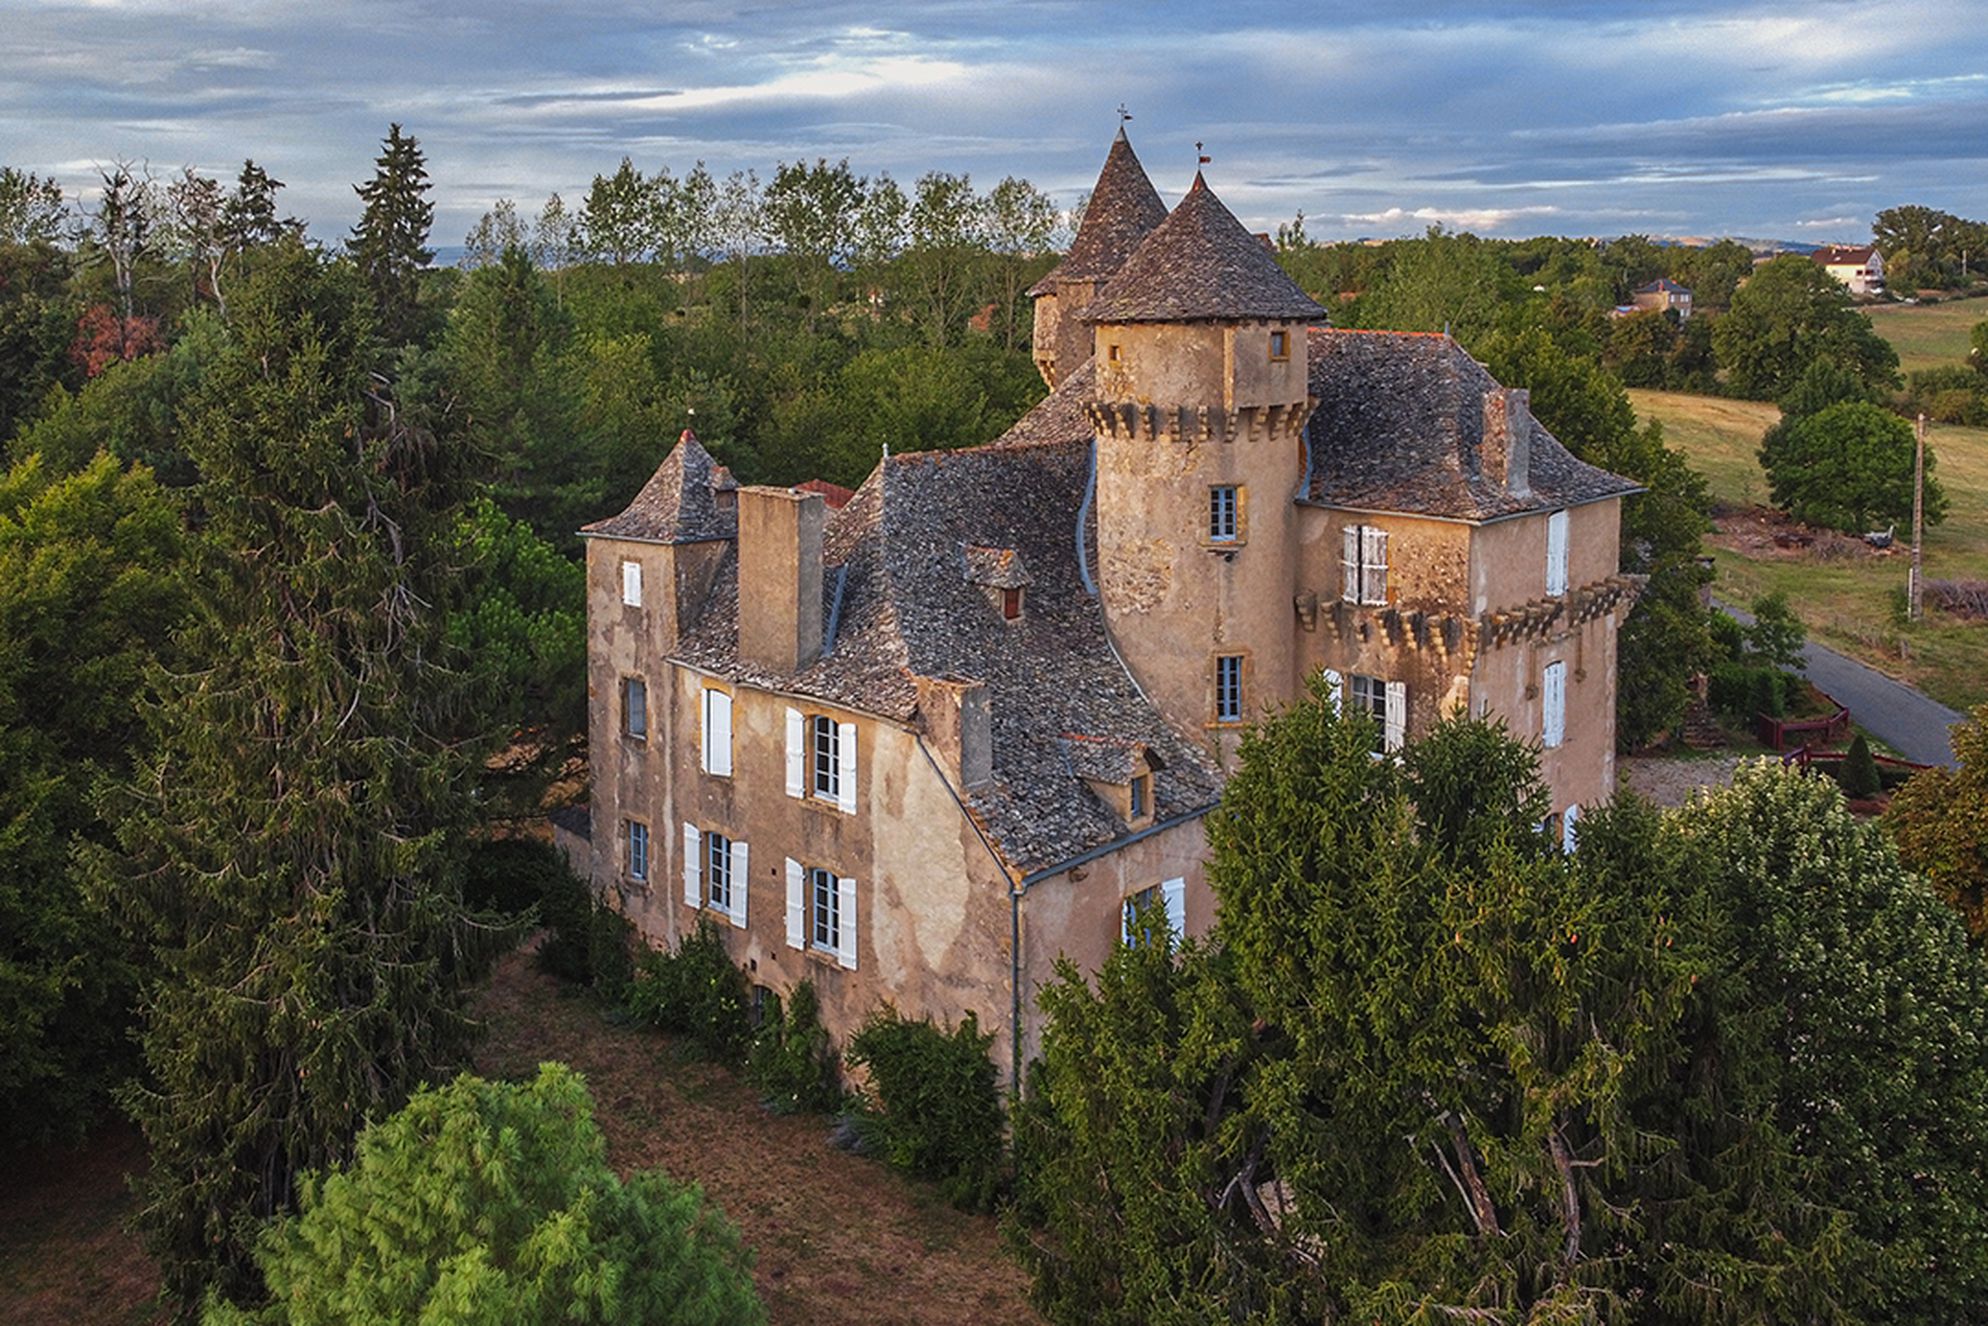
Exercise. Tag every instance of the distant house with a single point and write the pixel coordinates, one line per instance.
(1861, 269)
(1661, 295)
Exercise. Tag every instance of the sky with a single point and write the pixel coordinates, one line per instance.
(1665, 117)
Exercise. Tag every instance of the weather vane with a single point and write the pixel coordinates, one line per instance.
(1201, 158)
(1123, 114)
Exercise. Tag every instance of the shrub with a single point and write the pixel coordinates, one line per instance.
(694, 992)
(610, 953)
(566, 908)
(1950, 394)
(1746, 689)
(512, 876)
(932, 1108)
(1848, 467)
(791, 1060)
(1860, 772)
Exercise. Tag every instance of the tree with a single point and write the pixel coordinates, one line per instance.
(811, 213)
(1443, 281)
(1860, 770)
(555, 243)
(492, 1202)
(248, 218)
(31, 208)
(495, 231)
(1848, 467)
(198, 236)
(619, 216)
(500, 352)
(289, 846)
(1940, 822)
(1790, 313)
(122, 225)
(1977, 347)
(88, 602)
(947, 247)
(1020, 221)
(389, 245)
(738, 226)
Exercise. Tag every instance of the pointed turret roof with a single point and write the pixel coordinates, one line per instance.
(1124, 208)
(679, 504)
(1201, 265)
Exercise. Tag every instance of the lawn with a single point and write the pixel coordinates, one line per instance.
(837, 1238)
(1929, 335)
(1847, 602)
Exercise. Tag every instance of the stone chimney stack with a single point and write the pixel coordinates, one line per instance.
(958, 721)
(780, 577)
(1506, 453)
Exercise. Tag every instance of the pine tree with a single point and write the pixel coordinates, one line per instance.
(390, 243)
(290, 847)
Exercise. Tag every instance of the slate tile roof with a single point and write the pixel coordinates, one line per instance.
(1123, 209)
(679, 504)
(895, 558)
(1201, 265)
(1104, 759)
(1061, 416)
(1398, 425)
(996, 568)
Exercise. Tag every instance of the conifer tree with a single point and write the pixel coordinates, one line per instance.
(289, 848)
(390, 243)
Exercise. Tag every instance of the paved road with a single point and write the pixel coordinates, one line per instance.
(1907, 721)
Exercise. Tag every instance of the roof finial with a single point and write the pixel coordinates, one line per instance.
(1123, 114)
(1200, 158)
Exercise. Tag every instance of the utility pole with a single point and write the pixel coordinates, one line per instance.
(1914, 589)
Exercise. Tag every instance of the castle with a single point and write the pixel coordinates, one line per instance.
(918, 748)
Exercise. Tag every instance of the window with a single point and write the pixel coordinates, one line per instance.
(1556, 553)
(824, 741)
(716, 756)
(821, 759)
(718, 871)
(1222, 512)
(1111, 353)
(1363, 564)
(638, 850)
(1280, 345)
(1145, 909)
(1553, 706)
(1011, 603)
(821, 912)
(631, 584)
(1142, 796)
(1387, 701)
(1229, 688)
(635, 708)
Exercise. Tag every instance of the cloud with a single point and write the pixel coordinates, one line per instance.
(1479, 218)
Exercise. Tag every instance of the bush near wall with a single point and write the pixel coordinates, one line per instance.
(932, 1108)
(694, 992)
(791, 1060)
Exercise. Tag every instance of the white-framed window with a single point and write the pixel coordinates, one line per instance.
(1570, 819)
(1229, 688)
(716, 753)
(1167, 899)
(821, 912)
(635, 708)
(1556, 553)
(821, 759)
(631, 584)
(716, 872)
(1363, 564)
(1553, 705)
(1224, 511)
(638, 850)
(1387, 701)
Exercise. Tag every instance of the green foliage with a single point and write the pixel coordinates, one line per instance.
(566, 909)
(88, 602)
(512, 876)
(1446, 281)
(1940, 821)
(1926, 248)
(1788, 315)
(38, 311)
(389, 245)
(931, 1107)
(610, 953)
(491, 1202)
(1977, 347)
(791, 1061)
(1860, 771)
(695, 992)
(1950, 394)
(290, 844)
(1776, 636)
(1848, 467)
(1742, 690)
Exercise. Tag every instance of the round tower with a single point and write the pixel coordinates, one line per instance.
(1123, 209)
(1200, 402)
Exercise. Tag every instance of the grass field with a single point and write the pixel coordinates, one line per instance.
(1929, 335)
(1848, 602)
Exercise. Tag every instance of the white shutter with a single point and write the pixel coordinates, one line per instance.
(1349, 564)
(717, 757)
(1568, 833)
(631, 584)
(1335, 691)
(739, 882)
(1556, 553)
(1174, 893)
(692, 895)
(845, 922)
(845, 774)
(1553, 719)
(1396, 729)
(797, 906)
(797, 754)
(1373, 570)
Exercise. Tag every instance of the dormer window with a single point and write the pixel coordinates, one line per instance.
(1280, 346)
(1111, 353)
(1142, 796)
(1011, 603)
(1119, 770)
(1001, 576)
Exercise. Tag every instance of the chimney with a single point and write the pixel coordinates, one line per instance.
(780, 578)
(958, 721)
(1505, 457)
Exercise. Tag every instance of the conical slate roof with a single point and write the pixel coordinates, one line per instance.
(679, 504)
(1201, 265)
(1124, 208)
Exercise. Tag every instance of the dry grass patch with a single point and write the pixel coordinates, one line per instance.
(1928, 335)
(66, 1255)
